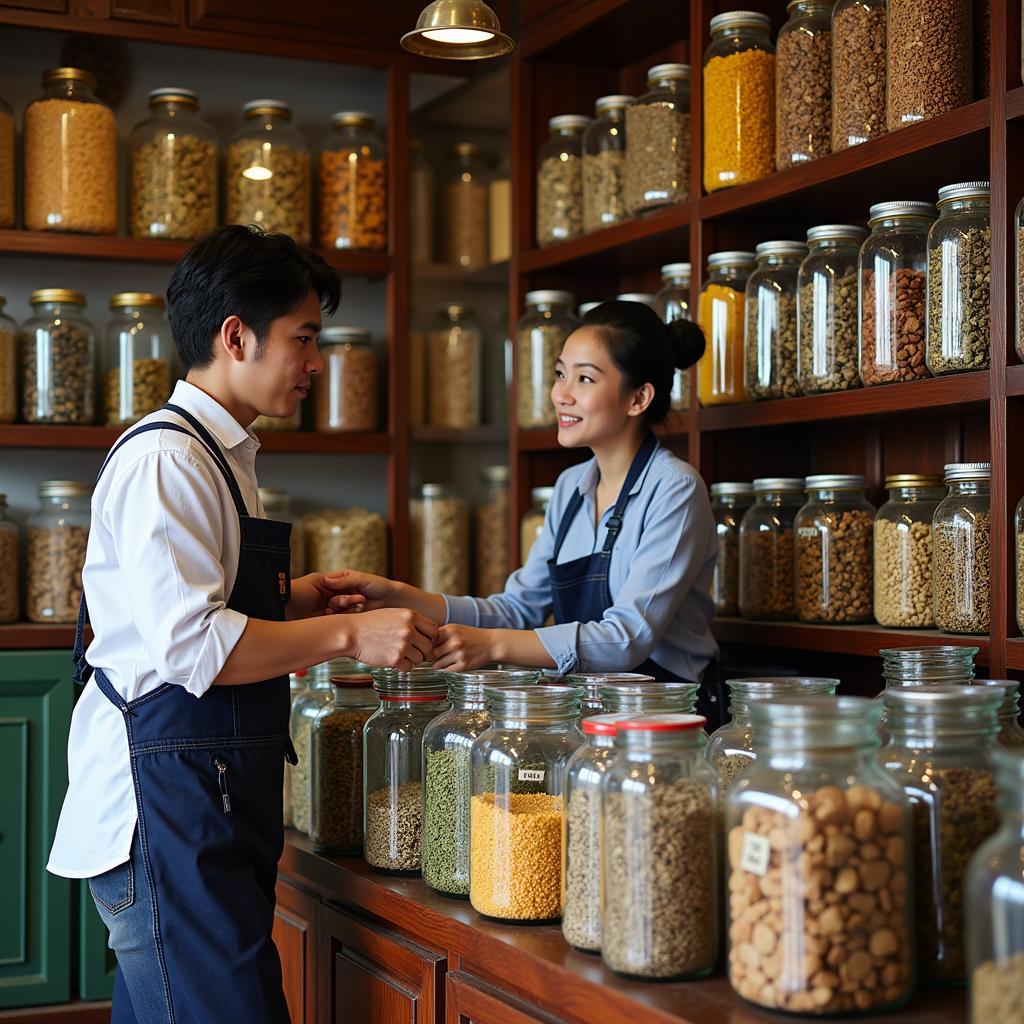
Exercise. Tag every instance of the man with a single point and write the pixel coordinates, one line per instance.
(177, 745)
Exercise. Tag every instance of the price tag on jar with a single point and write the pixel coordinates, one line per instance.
(531, 774)
(757, 853)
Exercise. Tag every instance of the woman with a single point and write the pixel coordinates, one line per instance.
(625, 558)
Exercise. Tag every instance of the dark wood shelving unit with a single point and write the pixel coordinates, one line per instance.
(489, 433)
(36, 636)
(451, 273)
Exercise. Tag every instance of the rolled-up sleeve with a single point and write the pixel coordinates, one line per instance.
(169, 548)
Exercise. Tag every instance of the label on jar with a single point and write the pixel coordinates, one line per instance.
(807, 531)
(757, 852)
(531, 774)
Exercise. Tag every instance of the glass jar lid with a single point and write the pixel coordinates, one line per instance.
(967, 471)
(87, 78)
(345, 336)
(541, 494)
(352, 680)
(439, 491)
(671, 271)
(147, 300)
(423, 682)
(171, 94)
(740, 19)
(895, 480)
(780, 248)
(604, 104)
(782, 484)
(645, 298)
(836, 482)
(602, 725)
(570, 122)
(261, 108)
(494, 474)
(474, 684)
(732, 258)
(550, 297)
(664, 72)
(732, 490)
(352, 119)
(549, 699)
(835, 232)
(965, 190)
(900, 208)
(64, 489)
(662, 723)
(44, 295)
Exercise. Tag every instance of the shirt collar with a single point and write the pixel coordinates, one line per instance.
(588, 482)
(224, 427)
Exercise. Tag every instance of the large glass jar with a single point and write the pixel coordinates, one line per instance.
(277, 504)
(7, 203)
(720, 313)
(422, 200)
(739, 100)
(560, 180)
(447, 775)
(803, 84)
(10, 599)
(731, 746)
(959, 273)
(540, 334)
(336, 764)
(138, 358)
(903, 551)
(268, 174)
(70, 157)
(353, 185)
(58, 359)
(174, 169)
(729, 501)
(345, 394)
(827, 314)
(658, 141)
(305, 706)
(439, 540)
(515, 861)
(766, 549)
(464, 208)
(928, 69)
(393, 766)
(604, 164)
(833, 551)
(995, 928)
(960, 550)
(936, 665)
(939, 750)
(892, 289)
(769, 339)
(818, 828)
(645, 698)
(491, 560)
(297, 687)
(590, 684)
(858, 72)
(673, 303)
(346, 538)
(56, 538)
(8, 366)
(659, 840)
(1011, 733)
(454, 368)
(532, 523)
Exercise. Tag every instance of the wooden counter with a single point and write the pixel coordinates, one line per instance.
(360, 947)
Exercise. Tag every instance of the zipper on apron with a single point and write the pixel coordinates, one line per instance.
(222, 782)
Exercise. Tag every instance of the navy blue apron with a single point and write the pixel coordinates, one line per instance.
(580, 591)
(208, 787)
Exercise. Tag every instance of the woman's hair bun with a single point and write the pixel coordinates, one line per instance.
(687, 343)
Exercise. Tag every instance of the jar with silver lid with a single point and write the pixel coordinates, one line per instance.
(729, 502)
(439, 540)
(540, 334)
(345, 394)
(604, 164)
(57, 534)
(673, 303)
(560, 180)
(766, 549)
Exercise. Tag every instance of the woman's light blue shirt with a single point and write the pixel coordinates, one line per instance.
(660, 576)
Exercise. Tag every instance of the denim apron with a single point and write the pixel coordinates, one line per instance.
(208, 776)
(580, 591)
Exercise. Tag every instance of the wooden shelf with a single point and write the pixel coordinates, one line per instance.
(76, 1012)
(33, 636)
(1015, 103)
(1015, 379)
(493, 276)
(1015, 653)
(489, 433)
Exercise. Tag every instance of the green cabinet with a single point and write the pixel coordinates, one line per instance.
(36, 696)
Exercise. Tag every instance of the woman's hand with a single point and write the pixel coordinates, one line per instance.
(463, 648)
(373, 591)
(319, 593)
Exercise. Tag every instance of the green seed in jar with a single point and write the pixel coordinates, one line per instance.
(446, 797)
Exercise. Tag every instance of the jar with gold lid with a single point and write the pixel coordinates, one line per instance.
(137, 358)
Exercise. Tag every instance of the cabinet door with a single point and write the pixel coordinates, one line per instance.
(96, 960)
(35, 920)
(372, 976)
(50, 6)
(160, 12)
(295, 924)
(470, 1002)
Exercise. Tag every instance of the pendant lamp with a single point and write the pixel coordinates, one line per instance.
(458, 30)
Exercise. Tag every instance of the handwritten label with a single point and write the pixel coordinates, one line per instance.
(757, 852)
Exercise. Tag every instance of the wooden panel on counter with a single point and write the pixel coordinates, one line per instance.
(295, 935)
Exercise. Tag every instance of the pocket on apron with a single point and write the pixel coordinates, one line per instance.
(114, 890)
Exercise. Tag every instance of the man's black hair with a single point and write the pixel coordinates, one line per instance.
(244, 272)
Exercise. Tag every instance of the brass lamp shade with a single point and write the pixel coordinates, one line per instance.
(458, 30)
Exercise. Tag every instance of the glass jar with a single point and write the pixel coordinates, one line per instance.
(174, 160)
(393, 766)
(590, 684)
(673, 303)
(138, 358)
(560, 180)
(532, 523)
(769, 339)
(464, 208)
(7, 203)
(827, 315)
(447, 774)
(540, 334)
(439, 540)
(336, 764)
(515, 861)
(858, 72)
(939, 751)
(297, 687)
(349, 538)
(454, 370)
(8, 366)
(491, 562)
(659, 840)
(422, 200)
(353, 185)
(928, 68)
(499, 203)
(58, 356)
(56, 538)
(839, 830)
(903, 551)
(10, 599)
(960, 550)
(995, 928)
(766, 549)
(959, 272)
(70, 157)
(345, 394)
(644, 698)
(720, 313)
(892, 289)
(604, 164)
(1011, 734)
(938, 665)
(739, 100)
(658, 141)
(729, 501)
(803, 84)
(833, 551)
(277, 504)
(269, 178)
(731, 746)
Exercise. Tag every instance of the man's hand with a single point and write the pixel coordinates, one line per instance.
(319, 593)
(463, 648)
(393, 638)
(373, 591)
